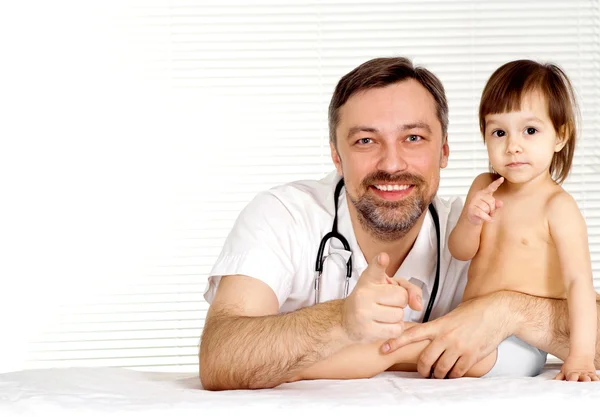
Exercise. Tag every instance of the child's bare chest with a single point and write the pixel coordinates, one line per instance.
(519, 223)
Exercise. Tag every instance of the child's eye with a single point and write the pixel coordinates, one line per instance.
(531, 130)
(498, 133)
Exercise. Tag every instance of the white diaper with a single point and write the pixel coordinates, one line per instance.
(517, 358)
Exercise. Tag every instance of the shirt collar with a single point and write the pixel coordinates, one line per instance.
(419, 264)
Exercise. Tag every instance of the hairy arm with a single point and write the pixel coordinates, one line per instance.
(246, 344)
(465, 238)
(544, 323)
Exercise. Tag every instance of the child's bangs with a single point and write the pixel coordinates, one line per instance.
(507, 95)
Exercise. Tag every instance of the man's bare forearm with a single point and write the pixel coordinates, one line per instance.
(544, 323)
(263, 352)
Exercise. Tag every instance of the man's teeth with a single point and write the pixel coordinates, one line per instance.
(394, 187)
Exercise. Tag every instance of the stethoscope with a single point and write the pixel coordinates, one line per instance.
(337, 235)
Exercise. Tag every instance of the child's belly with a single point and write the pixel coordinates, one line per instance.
(518, 263)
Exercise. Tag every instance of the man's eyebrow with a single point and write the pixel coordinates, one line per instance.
(355, 129)
(417, 125)
(407, 126)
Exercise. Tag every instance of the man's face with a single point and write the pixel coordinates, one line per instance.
(390, 150)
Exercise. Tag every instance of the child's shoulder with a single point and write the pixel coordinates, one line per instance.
(561, 203)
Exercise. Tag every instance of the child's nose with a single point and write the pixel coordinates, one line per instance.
(513, 146)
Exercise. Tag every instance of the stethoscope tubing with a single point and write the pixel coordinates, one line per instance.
(334, 234)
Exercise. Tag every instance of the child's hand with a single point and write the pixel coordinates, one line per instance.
(483, 205)
(578, 369)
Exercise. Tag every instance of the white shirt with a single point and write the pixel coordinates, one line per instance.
(276, 238)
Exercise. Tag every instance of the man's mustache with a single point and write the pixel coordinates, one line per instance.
(382, 176)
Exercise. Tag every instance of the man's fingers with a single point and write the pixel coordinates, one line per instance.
(388, 330)
(375, 271)
(491, 189)
(415, 294)
(411, 335)
(444, 364)
(460, 368)
(392, 296)
(429, 357)
(386, 314)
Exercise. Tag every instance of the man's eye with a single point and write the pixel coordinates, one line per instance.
(531, 130)
(413, 138)
(498, 133)
(364, 141)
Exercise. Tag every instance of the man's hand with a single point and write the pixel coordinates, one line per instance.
(375, 308)
(461, 338)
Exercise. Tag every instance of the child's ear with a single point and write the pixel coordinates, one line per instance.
(562, 137)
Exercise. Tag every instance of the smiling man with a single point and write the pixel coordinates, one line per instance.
(273, 319)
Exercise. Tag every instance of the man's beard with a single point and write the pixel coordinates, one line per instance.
(390, 220)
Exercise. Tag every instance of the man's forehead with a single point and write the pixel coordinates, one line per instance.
(352, 121)
(407, 102)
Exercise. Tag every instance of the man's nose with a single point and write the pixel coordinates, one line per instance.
(392, 159)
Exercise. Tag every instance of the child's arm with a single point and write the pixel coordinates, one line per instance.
(366, 361)
(480, 206)
(362, 361)
(569, 233)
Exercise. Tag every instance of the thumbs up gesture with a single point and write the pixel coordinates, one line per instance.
(375, 308)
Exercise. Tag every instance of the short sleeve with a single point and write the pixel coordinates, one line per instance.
(258, 246)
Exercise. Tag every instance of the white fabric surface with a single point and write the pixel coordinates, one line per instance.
(122, 392)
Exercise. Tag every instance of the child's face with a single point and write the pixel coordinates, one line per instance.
(521, 144)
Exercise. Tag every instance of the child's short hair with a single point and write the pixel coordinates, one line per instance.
(507, 86)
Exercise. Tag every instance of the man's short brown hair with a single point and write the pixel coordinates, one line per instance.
(381, 72)
(504, 92)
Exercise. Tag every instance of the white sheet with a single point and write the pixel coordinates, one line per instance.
(122, 392)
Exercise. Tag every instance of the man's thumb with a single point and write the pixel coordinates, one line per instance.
(378, 266)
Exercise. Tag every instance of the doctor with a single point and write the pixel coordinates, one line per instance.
(272, 316)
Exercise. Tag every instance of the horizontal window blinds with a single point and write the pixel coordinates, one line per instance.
(181, 111)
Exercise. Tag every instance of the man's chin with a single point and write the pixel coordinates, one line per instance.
(390, 228)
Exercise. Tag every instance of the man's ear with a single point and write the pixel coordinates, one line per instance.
(335, 157)
(562, 137)
(445, 154)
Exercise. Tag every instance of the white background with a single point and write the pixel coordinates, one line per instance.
(133, 132)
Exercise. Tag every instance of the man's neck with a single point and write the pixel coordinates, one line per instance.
(397, 250)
